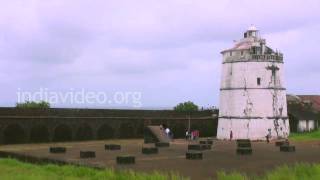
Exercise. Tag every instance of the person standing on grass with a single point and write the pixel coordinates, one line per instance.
(231, 135)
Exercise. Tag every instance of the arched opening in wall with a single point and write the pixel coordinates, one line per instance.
(140, 129)
(39, 133)
(105, 132)
(84, 132)
(197, 126)
(126, 130)
(293, 121)
(179, 130)
(207, 128)
(14, 134)
(62, 133)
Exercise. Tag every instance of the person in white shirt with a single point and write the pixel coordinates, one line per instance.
(167, 131)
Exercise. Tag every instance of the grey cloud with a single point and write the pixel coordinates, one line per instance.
(169, 50)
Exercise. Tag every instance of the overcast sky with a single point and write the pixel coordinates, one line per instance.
(169, 50)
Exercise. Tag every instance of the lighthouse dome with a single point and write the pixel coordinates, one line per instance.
(252, 28)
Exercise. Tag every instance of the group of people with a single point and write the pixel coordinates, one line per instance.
(190, 135)
(193, 135)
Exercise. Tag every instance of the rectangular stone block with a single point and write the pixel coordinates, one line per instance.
(126, 159)
(243, 141)
(192, 155)
(203, 142)
(205, 146)
(57, 150)
(244, 144)
(149, 150)
(244, 151)
(162, 144)
(287, 148)
(87, 154)
(281, 143)
(209, 141)
(112, 147)
(197, 147)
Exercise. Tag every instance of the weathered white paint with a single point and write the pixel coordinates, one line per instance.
(306, 125)
(247, 108)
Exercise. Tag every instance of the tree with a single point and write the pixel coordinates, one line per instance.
(33, 104)
(186, 107)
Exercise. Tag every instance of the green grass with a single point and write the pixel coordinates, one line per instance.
(11, 169)
(15, 170)
(314, 135)
(297, 172)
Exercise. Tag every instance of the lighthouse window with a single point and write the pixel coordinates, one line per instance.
(258, 81)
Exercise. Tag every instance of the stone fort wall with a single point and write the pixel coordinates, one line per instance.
(61, 124)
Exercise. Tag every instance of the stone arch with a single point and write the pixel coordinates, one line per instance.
(62, 133)
(140, 130)
(84, 132)
(105, 132)
(179, 130)
(293, 121)
(126, 130)
(39, 133)
(14, 134)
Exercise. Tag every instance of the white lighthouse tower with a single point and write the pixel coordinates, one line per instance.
(252, 96)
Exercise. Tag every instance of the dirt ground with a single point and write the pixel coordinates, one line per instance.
(222, 156)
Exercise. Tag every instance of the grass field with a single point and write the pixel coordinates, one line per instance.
(296, 172)
(14, 170)
(314, 135)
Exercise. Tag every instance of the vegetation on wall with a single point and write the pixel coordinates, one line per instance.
(33, 104)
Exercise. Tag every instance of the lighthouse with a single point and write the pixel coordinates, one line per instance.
(252, 94)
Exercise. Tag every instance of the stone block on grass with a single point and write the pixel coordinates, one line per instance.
(57, 150)
(244, 150)
(87, 154)
(112, 147)
(126, 159)
(192, 155)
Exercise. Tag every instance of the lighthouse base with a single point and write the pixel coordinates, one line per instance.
(253, 129)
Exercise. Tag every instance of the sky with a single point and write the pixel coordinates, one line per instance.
(166, 52)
